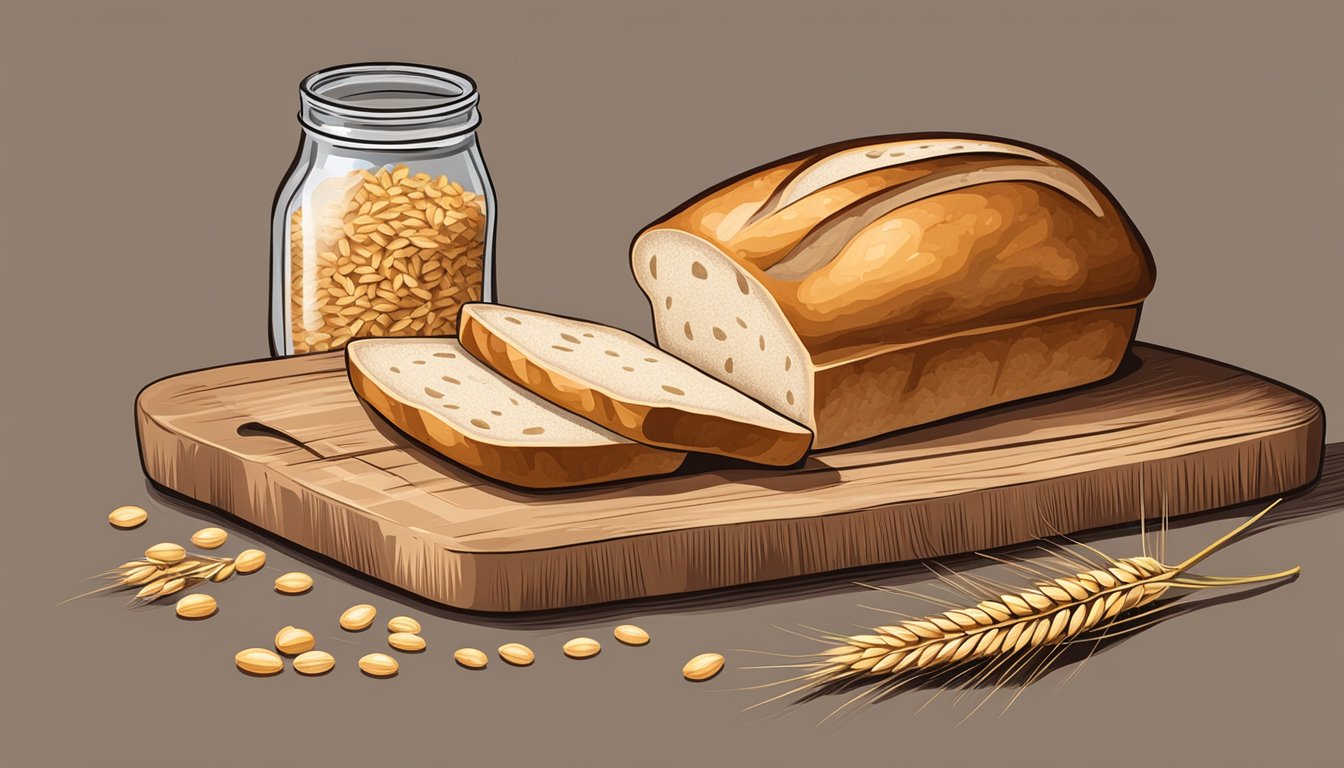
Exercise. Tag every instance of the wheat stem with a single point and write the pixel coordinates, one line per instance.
(1224, 539)
(1219, 582)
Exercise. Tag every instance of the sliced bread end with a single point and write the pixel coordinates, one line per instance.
(579, 453)
(701, 415)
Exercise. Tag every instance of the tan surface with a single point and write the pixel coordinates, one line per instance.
(286, 445)
(143, 144)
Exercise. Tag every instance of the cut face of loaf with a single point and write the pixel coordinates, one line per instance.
(434, 391)
(717, 316)
(875, 285)
(628, 386)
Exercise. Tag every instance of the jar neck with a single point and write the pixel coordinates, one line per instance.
(336, 155)
(393, 107)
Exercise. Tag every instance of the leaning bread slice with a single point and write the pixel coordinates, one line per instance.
(628, 385)
(436, 393)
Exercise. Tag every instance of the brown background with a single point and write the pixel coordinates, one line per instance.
(142, 144)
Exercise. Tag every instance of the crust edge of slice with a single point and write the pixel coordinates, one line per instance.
(670, 428)
(525, 466)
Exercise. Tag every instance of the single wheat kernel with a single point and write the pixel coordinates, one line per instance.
(406, 641)
(358, 617)
(471, 658)
(139, 574)
(293, 583)
(249, 560)
(631, 635)
(378, 665)
(702, 667)
(581, 648)
(166, 552)
(259, 661)
(173, 585)
(292, 641)
(403, 624)
(127, 517)
(224, 573)
(196, 606)
(516, 654)
(313, 662)
(210, 538)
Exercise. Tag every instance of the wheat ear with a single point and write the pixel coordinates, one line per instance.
(156, 579)
(165, 579)
(1055, 611)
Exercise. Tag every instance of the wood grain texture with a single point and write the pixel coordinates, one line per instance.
(286, 445)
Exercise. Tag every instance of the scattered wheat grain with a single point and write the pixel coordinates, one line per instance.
(196, 606)
(403, 624)
(293, 583)
(516, 654)
(292, 641)
(582, 648)
(471, 658)
(631, 635)
(127, 517)
(313, 662)
(378, 665)
(210, 538)
(358, 617)
(166, 552)
(406, 641)
(250, 560)
(703, 667)
(259, 661)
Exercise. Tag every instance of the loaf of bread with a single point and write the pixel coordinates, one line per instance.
(626, 385)
(869, 286)
(444, 398)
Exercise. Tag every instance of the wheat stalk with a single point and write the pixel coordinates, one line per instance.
(157, 579)
(1003, 631)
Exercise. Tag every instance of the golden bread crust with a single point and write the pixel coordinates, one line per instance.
(1009, 246)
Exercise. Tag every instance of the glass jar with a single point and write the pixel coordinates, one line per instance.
(384, 225)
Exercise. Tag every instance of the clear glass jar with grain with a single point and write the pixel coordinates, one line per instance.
(384, 225)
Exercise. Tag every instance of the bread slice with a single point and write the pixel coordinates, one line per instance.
(436, 393)
(627, 385)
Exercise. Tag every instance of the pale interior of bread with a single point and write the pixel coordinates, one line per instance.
(440, 378)
(713, 314)
(625, 366)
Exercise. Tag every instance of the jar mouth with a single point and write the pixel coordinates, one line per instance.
(376, 103)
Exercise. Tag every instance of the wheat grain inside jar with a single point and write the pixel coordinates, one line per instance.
(384, 225)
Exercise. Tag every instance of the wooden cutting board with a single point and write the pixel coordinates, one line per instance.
(286, 445)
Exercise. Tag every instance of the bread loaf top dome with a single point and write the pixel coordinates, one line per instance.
(900, 239)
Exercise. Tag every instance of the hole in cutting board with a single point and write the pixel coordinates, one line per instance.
(257, 429)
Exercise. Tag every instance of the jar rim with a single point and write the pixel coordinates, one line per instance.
(318, 85)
